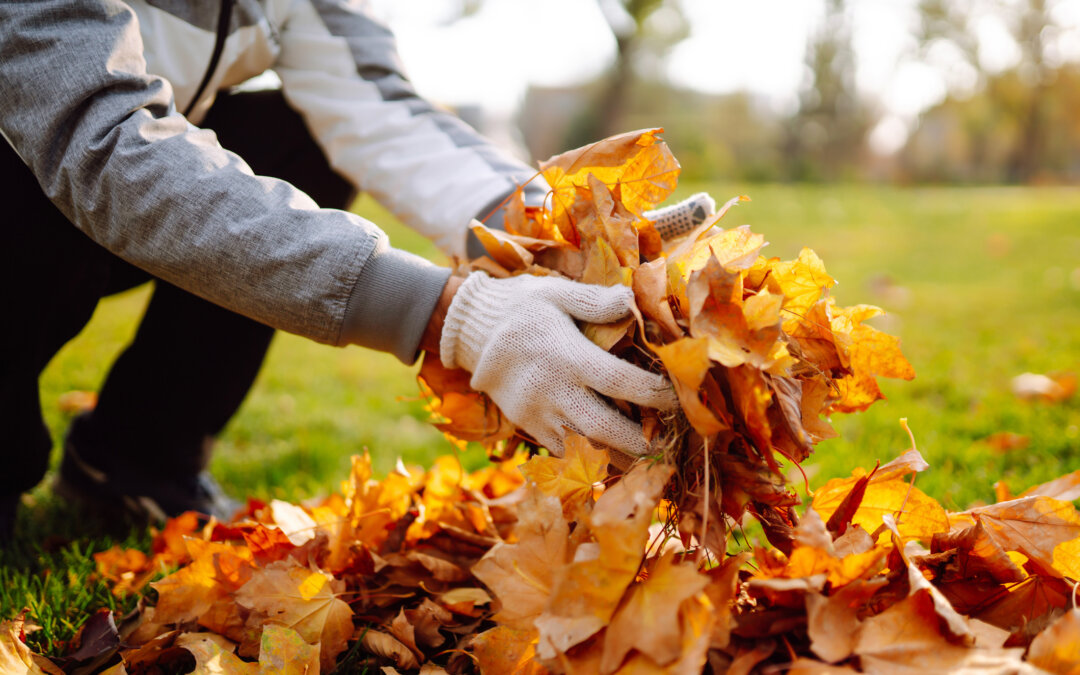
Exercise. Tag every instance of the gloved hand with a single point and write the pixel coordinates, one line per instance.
(679, 219)
(518, 338)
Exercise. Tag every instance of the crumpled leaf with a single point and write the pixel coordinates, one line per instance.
(389, 647)
(833, 621)
(15, 657)
(905, 637)
(215, 654)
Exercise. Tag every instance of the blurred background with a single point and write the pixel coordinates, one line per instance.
(927, 151)
(771, 90)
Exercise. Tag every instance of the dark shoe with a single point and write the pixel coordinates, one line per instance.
(9, 504)
(140, 499)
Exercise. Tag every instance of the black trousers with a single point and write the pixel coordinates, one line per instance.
(191, 362)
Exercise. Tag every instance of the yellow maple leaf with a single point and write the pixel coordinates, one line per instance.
(572, 477)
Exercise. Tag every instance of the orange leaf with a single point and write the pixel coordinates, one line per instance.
(502, 247)
(686, 360)
(886, 493)
(215, 572)
(637, 162)
(650, 285)
(509, 651)
(648, 619)
(734, 249)
(1057, 649)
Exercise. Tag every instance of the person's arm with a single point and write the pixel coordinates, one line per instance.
(340, 69)
(108, 148)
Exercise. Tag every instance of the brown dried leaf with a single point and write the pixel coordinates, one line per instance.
(905, 637)
(302, 599)
(650, 285)
(1066, 488)
(388, 647)
(587, 591)
(502, 247)
(522, 574)
(832, 622)
(1034, 526)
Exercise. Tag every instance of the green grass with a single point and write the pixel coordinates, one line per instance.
(982, 285)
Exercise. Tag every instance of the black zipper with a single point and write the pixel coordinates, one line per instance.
(219, 45)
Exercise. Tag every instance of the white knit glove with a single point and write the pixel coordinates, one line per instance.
(678, 219)
(518, 338)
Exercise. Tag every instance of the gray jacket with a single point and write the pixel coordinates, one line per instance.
(89, 92)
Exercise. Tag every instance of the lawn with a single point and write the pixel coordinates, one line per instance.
(982, 284)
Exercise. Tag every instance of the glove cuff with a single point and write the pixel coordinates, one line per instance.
(473, 315)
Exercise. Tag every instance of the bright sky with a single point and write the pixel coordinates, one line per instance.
(491, 57)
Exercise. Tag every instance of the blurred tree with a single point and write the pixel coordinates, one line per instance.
(644, 31)
(1025, 90)
(826, 136)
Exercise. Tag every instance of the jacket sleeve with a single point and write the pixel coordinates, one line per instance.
(340, 68)
(108, 148)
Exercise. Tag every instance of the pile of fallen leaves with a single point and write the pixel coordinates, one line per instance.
(596, 562)
(552, 565)
(758, 351)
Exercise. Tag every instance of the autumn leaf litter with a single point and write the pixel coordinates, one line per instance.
(597, 562)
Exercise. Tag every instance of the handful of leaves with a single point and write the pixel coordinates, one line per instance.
(758, 352)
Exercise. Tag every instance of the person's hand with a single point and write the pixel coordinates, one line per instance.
(518, 338)
(679, 219)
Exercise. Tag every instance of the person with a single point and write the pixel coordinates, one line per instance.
(128, 159)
